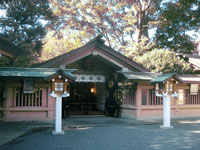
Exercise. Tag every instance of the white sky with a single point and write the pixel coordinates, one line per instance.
(2, 13)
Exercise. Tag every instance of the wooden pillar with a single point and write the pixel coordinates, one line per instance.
(7, 101)
(138, 101)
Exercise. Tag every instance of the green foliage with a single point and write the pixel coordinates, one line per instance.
(159, 60)
(135, 50)
(55, 45)
(176, 19)
(19, 62)
(22, 24)
(5, 61)
(124, 24)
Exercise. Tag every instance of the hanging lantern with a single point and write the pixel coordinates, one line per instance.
(59, 85)
(92, 90)
(60, 82)
(166, 83)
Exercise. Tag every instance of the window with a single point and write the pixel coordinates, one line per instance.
(192, 99)
(149, 97)
(127, 94)
(180, 96)
(153, 99)
(28, 99)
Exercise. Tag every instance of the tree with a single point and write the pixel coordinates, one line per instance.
(22, 24)
(122, 22)
(159, 60)
(55, 45)
(178, 17)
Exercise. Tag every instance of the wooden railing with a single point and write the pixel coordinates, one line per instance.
(153, 99)
(192, 99)
(149, 98)
(32, 99)
(127, 96)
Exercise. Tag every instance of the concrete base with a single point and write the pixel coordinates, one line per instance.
(171, 127)
(58, 133)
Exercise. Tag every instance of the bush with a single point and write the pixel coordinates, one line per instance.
(159, 60)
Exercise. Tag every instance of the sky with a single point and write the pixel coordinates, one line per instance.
(2, 13)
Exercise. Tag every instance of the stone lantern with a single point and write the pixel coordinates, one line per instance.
(59, 84)
(165, 86)
(168, 86)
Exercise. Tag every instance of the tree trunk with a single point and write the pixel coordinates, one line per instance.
(142, 28)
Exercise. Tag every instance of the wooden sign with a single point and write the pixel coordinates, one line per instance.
(60, 82)
(28, 86)
(194, 88)
(170, 86)
(59, 85)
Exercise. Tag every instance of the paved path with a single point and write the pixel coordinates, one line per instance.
(99, 133)
(11, 130)
(118, 137)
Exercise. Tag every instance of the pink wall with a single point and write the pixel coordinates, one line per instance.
(45, 112)
(140, 111)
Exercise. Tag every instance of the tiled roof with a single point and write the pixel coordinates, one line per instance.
(162, 78)
(190, 78)
(32, 72)
(139, 76)
(94, 47)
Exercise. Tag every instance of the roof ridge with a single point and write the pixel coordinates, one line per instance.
(97, 39)
(33, 69)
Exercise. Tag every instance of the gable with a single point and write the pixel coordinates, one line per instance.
(95, 47)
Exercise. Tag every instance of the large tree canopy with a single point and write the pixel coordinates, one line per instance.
(177, 18)
(121, 21)
(125, 25)
(22, 24)
(54, 45)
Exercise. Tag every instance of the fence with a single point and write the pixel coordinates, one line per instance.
(149, 97)
(192, 99)
(26, 99)
(127, 95)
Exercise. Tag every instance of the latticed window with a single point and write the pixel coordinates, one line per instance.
(153, 99)
(28, 99)
(192, 99)
(149, 97)
(127, 95)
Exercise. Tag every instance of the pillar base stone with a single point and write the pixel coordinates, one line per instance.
(163, 127)
(58, 133)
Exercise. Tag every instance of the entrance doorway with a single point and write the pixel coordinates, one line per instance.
(86, 98)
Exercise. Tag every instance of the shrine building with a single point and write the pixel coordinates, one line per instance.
(100, 81)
